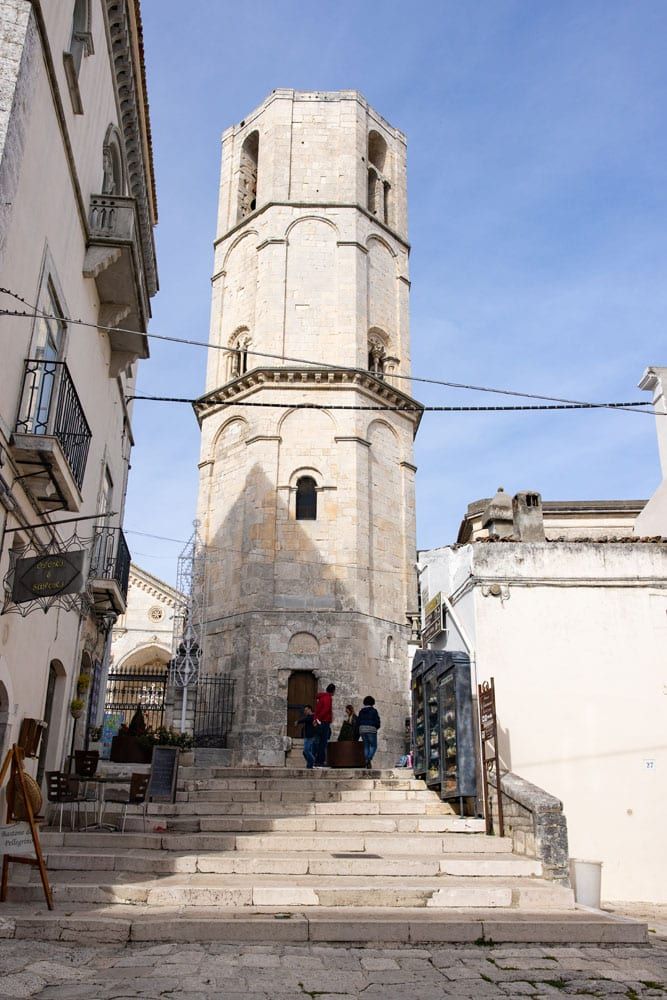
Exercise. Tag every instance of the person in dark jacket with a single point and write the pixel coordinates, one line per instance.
(310, 735)
(349, 730)
(369, 723)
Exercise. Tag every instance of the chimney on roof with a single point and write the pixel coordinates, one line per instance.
(528, 517)
(497, 516)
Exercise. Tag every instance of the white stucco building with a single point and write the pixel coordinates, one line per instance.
(565, 606)
(77, 211)
(653, 519)
(307, 514)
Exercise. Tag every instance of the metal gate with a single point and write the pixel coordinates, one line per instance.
(129, 688)
(214, 710)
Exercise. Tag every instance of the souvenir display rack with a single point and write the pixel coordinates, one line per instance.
(444, 749)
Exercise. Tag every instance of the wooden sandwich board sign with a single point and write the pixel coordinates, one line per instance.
(19, 841)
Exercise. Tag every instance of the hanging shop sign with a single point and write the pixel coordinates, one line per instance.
(434, 619)
(57, 576)
(53, 575)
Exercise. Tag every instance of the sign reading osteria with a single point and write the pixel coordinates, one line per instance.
(48, 576)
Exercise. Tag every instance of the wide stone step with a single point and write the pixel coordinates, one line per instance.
(304, 786)
(408, 808)
(424, 843)
(299, 795)
(298, 891)
(329, 824)
(86, 862)
(432, 844)
(406, 925)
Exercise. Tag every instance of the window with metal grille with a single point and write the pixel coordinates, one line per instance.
(306, 499)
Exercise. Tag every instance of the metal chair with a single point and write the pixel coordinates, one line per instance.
(61, 790)
(135, 797)
(85, 763)
(85, 766)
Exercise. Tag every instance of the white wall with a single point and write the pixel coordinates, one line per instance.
(577, 645)
(46, 226)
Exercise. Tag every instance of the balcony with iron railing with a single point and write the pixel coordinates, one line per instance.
(109, 573)
(114, 259)
(51, 440)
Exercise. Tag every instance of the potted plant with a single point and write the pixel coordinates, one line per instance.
(95, 738)
(82, 684)
(76, 708)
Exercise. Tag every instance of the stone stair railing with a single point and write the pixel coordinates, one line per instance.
(535, 821)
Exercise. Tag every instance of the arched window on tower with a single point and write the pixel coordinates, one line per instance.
(238, 355)
(379, 186)
(306, 499)
(377, 356)
(248, 165)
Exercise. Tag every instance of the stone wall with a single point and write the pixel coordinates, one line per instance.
(18, 49)
(311, 274)
(535, 822)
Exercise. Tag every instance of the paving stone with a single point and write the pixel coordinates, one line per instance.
(21, 985)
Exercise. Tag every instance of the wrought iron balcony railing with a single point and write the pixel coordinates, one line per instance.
(110, 558)
(51, 407)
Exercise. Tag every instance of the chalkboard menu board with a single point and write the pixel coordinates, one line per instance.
(164, 771)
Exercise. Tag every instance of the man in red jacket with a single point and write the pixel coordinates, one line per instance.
(323, 720)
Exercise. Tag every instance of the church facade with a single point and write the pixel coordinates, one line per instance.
(306, 500)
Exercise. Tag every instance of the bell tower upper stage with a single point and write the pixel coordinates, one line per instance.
(311, 254)
(306, 499)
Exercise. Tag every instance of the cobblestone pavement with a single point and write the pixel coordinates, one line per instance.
(51, 971)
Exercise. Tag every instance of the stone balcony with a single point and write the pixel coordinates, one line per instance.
(114, 259)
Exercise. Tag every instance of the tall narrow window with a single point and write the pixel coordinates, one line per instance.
(379, 186)
(112, 164)
(377, 356)
(81, 44)
(248, 166)
(47, 352)
(306, 499)
(238, 356)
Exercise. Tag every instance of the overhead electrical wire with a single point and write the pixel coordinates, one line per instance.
(407, 408)
(631, 407)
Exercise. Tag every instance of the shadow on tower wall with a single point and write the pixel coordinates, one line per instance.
(268, 582)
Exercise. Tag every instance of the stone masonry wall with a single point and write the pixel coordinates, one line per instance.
(310, 275)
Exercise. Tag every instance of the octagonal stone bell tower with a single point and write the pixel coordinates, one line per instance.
(306, 498)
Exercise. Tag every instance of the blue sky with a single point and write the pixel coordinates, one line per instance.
(537, 143)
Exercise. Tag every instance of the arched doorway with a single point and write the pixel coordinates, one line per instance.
(4, 719)
(139, 679)
(301, 690)
(52, 702)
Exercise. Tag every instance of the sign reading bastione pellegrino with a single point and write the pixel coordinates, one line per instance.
(306, 498)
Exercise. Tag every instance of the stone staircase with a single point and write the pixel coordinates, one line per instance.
(286, 854)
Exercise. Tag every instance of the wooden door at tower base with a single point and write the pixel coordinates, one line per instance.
(301, 690)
